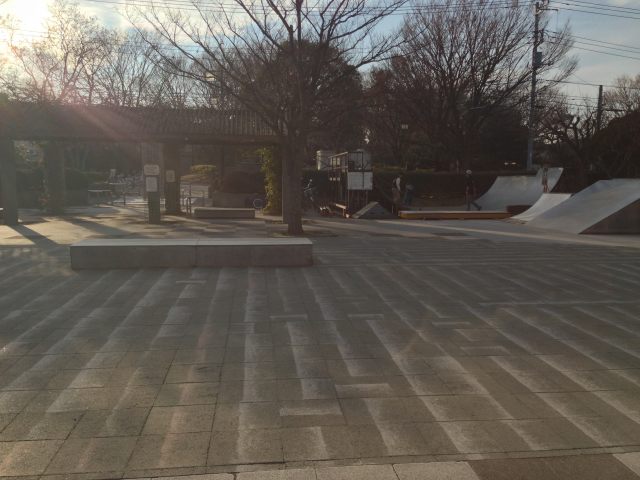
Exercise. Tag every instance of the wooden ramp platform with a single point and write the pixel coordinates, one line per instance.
(453, 215)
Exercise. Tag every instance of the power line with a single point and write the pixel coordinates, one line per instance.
(587, 4)
(232, 8)
(600, 43)
(593, 12)
(588, 84)
(608, 53)
(612, 54)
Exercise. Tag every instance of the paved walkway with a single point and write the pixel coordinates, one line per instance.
(394, 349)
(586, 467)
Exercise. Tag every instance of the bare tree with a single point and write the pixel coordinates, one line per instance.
(570, 129)
(616, 148)
(625, 98)
(128, 75)
(462, 61)
(274, 58)
(173, 88)
(60, 67)
(386, 115)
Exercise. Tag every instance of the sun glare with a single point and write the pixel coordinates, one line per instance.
(29, 17)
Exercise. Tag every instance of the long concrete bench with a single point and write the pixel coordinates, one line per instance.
(189, 253)
(224, 213)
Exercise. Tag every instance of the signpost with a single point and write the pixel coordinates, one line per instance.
(152, 187)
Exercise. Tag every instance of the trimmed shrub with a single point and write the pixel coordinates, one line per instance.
(75, 179)
(207, 171)
(97, 177)
(272, 170)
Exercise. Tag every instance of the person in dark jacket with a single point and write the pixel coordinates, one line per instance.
(470, 191)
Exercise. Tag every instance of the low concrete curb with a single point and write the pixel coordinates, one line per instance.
(189, 253)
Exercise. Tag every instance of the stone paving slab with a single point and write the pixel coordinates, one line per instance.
(572, 467)
(389, 351)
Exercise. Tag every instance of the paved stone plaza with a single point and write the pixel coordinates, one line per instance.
(406, 344)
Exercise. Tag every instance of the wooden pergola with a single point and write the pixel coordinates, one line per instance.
(57, 124)
(53, 122)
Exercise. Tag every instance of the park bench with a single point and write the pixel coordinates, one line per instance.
(188, 253)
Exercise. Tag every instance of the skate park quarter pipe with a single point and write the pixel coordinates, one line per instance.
(546, 202)
(607, 206)
(517, 190)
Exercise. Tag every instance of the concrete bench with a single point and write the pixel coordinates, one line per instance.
(189, 253)
(224, 213)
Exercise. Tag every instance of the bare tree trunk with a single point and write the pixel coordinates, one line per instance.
(8, 182)
(291, 185)
(285, 184)
(54, 174)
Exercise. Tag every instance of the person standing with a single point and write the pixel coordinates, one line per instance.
(396, 192)
(545, 178)
(408, 194)
(470, 191)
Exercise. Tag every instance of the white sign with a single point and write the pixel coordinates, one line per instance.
(360, 180)
(151, 184)
(170, 176)
(151, 169)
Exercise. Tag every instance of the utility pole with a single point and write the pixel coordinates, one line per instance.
(536, 62)
(600, 108)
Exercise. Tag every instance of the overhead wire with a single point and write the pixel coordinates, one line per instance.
(612, 54)
(599, 43)
(602, 6)
(572, 7)
(569, 82)
(231, 7)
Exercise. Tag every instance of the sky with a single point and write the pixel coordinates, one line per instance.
(595, 68)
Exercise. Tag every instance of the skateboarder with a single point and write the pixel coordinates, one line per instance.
(470, 191)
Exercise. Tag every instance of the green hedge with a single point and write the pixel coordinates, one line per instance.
(76, 179)
(436, 185)
(30, 179)
(272, 170)
(242, 182)
(33, 179)
(97, 177)
(427, 184)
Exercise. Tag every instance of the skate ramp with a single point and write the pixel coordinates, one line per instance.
(546, 202)
(607, 206)
(517, 190)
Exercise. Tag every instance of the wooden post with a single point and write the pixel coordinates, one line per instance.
(54, 178)
(172, 174)
(151, 168)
